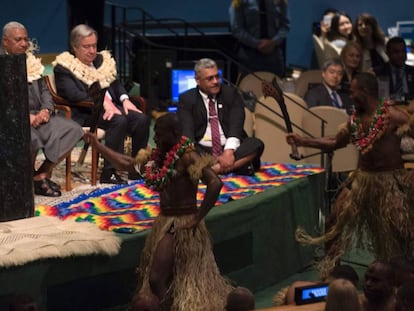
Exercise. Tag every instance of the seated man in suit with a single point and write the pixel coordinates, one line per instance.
(399, 75)
(75, 74)
(328, 93)
(53, 134)
(212, 114)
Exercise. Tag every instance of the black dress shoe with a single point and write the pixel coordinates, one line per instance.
(53, 185)
(112, 178)
(247, 170)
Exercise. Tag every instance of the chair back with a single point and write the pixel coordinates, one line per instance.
(253, 82)
(345, 159)
(249, 122)
(271, 129)
(319, 50)
(331, 51)
(305, 79)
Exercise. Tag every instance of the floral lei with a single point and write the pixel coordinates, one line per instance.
(105, 74)
(378, 125)
(156, 177)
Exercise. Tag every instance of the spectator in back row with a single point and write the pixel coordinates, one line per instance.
(399, 75)
(340, 31)
(351, 56)
(326, 94)
(372, 40)
(325, 23)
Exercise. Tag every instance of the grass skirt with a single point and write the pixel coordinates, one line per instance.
(376, 214)
(197, 283)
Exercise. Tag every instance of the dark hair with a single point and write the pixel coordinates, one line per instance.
(368, 82)
(240, 299)
(395, 40)
(171, 123)
(336, 61)
(333, 32)
(405, 294)
(377, 33)
(329, 11)
(345, 272)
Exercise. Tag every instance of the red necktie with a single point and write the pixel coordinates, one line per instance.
(214, 125)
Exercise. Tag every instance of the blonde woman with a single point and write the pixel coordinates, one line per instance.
(351, 56)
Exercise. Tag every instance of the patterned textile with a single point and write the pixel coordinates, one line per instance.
(132, 208)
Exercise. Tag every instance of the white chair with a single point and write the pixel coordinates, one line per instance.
(253, 82)
(345, 159)
(249, 122)
(330, 50)
(306, 78)
(319, 50)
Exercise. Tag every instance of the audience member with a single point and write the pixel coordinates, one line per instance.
(55, 135)
(379, 184)
(240, 299)
(325, 23)
(340, 31)
(177, 262)
(212, 115)
(327, 93)
(342, 296)
(75, 74)
(372, 40)
(351, 56)
(400, 75)
(405, 297)
(286, 296)
(403, 269)
(261, 28)
(379, 287)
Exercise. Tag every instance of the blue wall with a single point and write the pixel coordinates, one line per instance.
(46, 19)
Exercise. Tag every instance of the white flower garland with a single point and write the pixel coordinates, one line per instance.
(34, 67)
(105, 74)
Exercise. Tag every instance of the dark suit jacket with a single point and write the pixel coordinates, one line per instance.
(319, 96)
(74, 90)
(193, 113)
(386, 71)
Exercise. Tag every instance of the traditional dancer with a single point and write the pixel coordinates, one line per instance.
(177, 263)
(378, 208)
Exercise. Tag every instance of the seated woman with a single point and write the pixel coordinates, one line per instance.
(372, 40)
(351, 56)
(341, 30)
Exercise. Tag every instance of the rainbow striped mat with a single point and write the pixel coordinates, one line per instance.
(132, 208)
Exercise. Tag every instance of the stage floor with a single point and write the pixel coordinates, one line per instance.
(253, 241)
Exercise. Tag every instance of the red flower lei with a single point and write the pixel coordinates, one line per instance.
(156, 177)
(379, 123)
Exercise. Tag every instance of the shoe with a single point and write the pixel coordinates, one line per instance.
(247, 170)
(53, 185)
(42, 187)
(134, 176)
(112, 178)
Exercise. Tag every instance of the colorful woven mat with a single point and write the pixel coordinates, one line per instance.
(132, 208)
